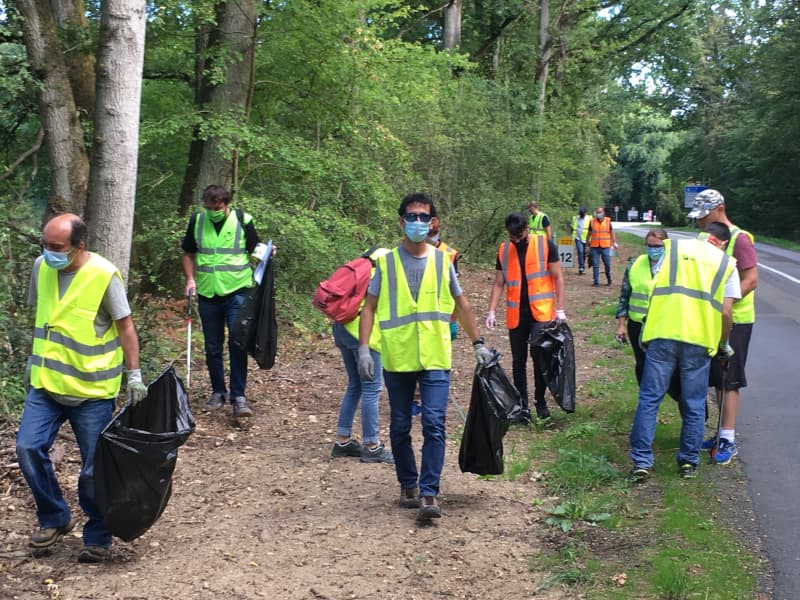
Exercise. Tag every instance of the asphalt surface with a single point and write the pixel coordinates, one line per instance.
(767, 428)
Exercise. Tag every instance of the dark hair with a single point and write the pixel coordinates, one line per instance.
(657, 233)
(215, 193)
(516, 223)
(719, 231)
(416, 198)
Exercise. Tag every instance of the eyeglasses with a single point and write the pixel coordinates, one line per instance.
(411, 217)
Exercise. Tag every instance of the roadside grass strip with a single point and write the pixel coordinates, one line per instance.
(614, 539)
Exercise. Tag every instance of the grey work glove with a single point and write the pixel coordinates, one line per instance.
(490, 319)
(561, 316)
(725, 351)
(137, 390)
(483, 355)
(366, 366)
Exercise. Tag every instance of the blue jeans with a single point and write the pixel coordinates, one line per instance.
(434, 389)
(358, 389)
(661, 360)
(580, 249)
(605, 253)
(214, 317)
(41, 420)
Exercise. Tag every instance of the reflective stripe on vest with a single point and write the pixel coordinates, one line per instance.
(68, 358)
(686, 304)
(535, 223)
(584, 231)
(541, 291)
(641, 280)
(601, 233)
(415, 335)
(744, 309)
(222, 265)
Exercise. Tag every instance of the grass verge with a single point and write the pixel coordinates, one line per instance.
(611, 539)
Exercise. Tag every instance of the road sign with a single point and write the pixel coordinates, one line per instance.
(689, 192)
(566, 252)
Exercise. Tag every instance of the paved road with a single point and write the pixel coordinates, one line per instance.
(768, 427)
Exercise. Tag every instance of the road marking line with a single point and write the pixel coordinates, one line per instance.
(777, 272)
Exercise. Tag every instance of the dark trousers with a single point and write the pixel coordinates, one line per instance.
(520, 339)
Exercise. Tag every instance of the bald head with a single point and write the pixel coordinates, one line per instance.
(66, 233)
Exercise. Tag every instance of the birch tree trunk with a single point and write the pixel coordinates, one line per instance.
(237, 35)
(112, 188)
(69, 162)
(452, 25)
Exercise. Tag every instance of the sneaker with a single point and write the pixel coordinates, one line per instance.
(595, 284)
(428, 508)
(408, 497)
(350, 448)
(522, 418)
(93, 554)
(725, 452)
(216, 401)
(580, 271)
(709, 443)
(639, 474)
(688, 471)
(47, 536)
(240, 408)
(609, 282)
(378, 454)
(542, 411)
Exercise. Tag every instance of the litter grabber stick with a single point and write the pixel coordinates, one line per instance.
(721, 402)
(189, 299)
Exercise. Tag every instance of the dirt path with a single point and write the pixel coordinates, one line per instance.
(266, 513)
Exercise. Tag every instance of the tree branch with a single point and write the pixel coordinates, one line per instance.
(35, 148)
(404, 31)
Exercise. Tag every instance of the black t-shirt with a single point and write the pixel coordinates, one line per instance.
(522, 250)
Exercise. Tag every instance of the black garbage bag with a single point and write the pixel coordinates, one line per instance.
(554, 355)
(136, 456)
(255, 328)
(495, 403)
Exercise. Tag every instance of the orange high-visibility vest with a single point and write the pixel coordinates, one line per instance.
(541, 291)
(601, 233)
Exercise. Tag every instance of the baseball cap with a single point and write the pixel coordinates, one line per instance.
(705, 202)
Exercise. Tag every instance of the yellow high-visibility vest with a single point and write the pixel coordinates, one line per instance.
(641, 280)
(415, 335)
(68, 358)
(223, 266)
(744, 309)
(686, 303)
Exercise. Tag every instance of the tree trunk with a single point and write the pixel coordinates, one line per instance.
(452, 25)
(70, 15)
(112, 195)
(69, 162)
(237, 34)
(545, 52)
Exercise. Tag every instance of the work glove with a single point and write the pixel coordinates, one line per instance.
(561, 316)
(366, 365)
(191, 288)
(137, 390)
(490, 320)
(725, 352)
(483, 355)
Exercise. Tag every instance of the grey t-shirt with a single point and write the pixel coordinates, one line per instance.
(113, 307)
(414, 267)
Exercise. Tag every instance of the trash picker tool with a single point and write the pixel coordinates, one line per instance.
(189, 299)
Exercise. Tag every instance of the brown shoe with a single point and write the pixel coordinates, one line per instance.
(93, 554)
(408, 497)
(47, 536)
(428, 508)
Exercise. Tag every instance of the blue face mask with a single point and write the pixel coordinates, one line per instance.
(56, 260)
(417, 231)
(655, 253)
(433, 238)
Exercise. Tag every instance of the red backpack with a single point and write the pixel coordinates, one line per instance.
(339, 296)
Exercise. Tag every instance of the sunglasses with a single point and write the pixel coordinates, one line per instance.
(411, 217)
(655, 245)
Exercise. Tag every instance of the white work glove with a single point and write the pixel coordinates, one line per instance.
(366, 366)
(490, 320)
(482, 354)
(561, 316)
(137, 390)
(725, 351)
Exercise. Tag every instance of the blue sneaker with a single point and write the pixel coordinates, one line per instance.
(709, 443)
(725, 452)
